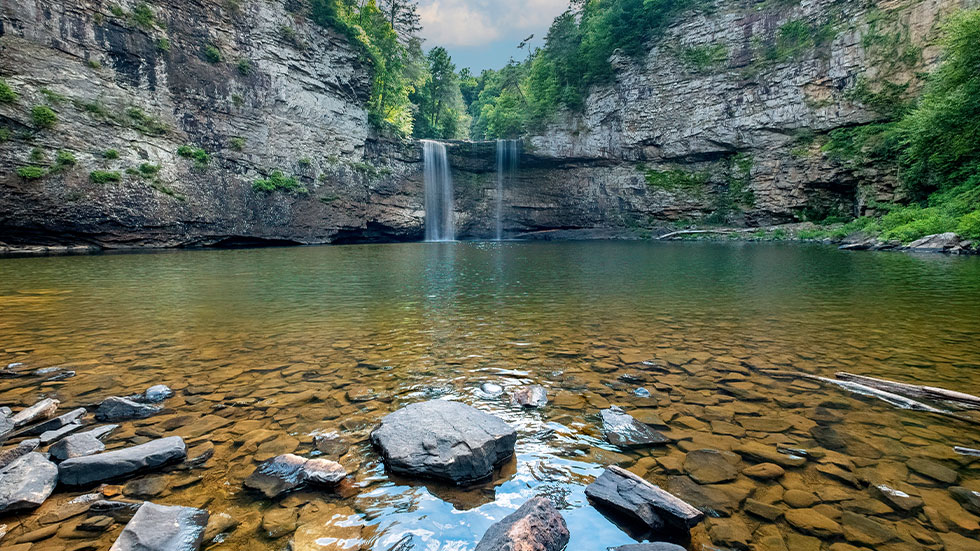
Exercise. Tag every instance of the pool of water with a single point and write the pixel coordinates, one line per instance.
(268, 347)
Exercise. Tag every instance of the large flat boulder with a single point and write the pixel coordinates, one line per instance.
(622, 430)
(289, 472)
(162, 528)
(78, 471)
(536, 526)
(444, 440)
(41, 410)
(630, 496)
(27, 482)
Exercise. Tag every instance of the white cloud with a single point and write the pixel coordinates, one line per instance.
(479, 22)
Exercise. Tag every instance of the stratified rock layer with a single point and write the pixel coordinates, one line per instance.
(162, 528)
(79, 471)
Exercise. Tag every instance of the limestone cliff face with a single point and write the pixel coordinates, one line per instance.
(254, 86)
(728, 112)
(724, 119)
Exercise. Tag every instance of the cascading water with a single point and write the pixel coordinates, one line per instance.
(439, 224)
(507, 163)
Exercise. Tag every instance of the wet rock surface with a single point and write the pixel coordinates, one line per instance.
(444, 440)
(533, 396)
(79, 471)
(116, 408)
(163, 528)
(26, 482)
(621, 429)
(535, 526)
(627, 494)
(289, 472)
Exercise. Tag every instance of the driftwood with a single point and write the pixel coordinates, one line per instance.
(966, 451)
(864, 390)
(695, 232)
(928, 392)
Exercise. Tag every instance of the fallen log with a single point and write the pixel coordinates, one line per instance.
(695, 232)
(919, 391)
(864, 390)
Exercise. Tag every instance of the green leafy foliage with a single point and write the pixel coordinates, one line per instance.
(278, 181)
(704, 57)
(143, 16)
(148, 169)
(237, 143)
(163, 44)
(104, 176)
(31, 172)
(244, 67)
(441, 112)
(146, 124)
(110, 154)
(43, 116)
(212, 54)
(200, 156)
(676, 180)
(65, 159)
(7, 94)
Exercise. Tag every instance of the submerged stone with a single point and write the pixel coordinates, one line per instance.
(77, 471)
(969, 499)
(536, 526)
(26, 482)
(653, 546)
(533, 396)
(163, 528)
(621, 429)
(289, 472)
(708, 466)
(116, 408)
(445, 440)
(629, 495)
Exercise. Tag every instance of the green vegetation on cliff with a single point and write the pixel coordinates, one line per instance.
(935, 144)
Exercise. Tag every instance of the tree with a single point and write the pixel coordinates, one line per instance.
(439, 99)
(403, 16)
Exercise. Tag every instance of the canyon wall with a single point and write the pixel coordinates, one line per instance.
(251, 85)
(172, 110)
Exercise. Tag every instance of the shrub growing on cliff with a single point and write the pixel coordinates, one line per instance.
(43, 116)
(65, 159)
(7, 94)
(104, 176)
(145, 123)
(143, 16)
(200, 157)
(212, 54)
(30, 172)
(237, 143)
(278, 181)
(244, 67)
(110, 154)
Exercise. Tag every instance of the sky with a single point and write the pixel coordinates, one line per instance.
(484, 34)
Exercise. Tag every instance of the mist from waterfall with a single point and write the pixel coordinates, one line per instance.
(508, 155)
(439, 224)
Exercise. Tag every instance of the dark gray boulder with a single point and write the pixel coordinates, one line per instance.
(55, 424)
(969, 499)
(115, 408)
(22, 448)
(78, 471)
(533, 396)
(444, 440)
(621, 429)
(654, 546)
(163, 528)
(536, 526)
(27, 482)
(288, 472)
(630, 496)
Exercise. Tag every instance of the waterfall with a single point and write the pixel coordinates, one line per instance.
(438, 193)
(507, 161)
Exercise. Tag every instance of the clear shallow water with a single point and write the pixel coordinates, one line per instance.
(278, 344)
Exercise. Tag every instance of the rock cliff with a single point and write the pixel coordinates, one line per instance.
(166, 114)
(169, 111)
